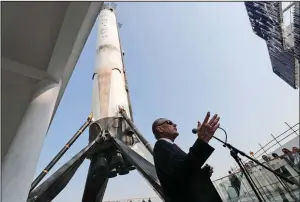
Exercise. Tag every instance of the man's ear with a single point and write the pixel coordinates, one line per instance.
(159, 129)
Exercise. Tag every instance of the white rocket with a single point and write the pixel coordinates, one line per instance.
(109, 89)
(109, 85)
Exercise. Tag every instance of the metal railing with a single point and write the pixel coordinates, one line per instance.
(235, 187)
(138, 199)
(276, 141)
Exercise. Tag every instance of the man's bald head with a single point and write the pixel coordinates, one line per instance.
(164, 128)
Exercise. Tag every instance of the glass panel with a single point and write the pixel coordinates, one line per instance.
(235, 187)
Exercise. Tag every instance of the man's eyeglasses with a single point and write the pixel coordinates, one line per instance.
(167, 122)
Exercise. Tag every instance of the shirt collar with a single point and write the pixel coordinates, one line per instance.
(166, 139)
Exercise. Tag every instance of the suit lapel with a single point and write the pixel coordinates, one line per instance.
(179, 150)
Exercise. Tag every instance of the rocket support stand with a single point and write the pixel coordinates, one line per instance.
(61, 153)
(109, 156)
(135, 130)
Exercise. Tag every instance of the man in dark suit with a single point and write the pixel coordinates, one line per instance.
(180, 174)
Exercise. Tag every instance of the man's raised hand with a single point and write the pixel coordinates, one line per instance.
(207, 129)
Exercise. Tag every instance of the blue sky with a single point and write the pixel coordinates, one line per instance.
(182, 59)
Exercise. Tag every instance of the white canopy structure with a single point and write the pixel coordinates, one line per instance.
(40, 45)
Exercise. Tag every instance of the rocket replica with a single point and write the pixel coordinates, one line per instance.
(115, 147)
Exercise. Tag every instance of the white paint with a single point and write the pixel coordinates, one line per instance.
(19, 164)
(108, 62)
(95, 99)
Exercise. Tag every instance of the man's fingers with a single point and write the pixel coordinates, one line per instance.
(207, 129)
(213, 119)
(206, 118)
(198, 124)
(216, 127)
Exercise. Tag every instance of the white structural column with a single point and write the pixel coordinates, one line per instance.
(109, 90)
(24, 146)
(19, 164)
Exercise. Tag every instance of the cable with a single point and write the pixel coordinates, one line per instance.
(224, 145)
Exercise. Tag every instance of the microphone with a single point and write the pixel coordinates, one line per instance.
(195, 131)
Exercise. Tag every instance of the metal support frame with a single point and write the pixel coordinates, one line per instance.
(61, 152)
(110, 154)
(135, 130)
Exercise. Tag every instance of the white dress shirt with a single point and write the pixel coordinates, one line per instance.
(166, 139)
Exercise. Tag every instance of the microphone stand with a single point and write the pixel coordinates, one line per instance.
(234, 153)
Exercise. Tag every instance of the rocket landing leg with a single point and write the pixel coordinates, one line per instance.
(110, 155)
(96, 183)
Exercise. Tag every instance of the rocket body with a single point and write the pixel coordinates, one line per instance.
(109, 84)
(109, 87)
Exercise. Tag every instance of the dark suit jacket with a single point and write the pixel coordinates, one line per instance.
(180, 174)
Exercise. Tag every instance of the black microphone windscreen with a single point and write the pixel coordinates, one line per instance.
(194, 131)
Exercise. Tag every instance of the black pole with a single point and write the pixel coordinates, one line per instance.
(254, 184)
(256, 161)
(262, 187)
(136, 131)
(61, 153)
(234, 155)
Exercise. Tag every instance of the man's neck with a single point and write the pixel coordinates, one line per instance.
(167, 139)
